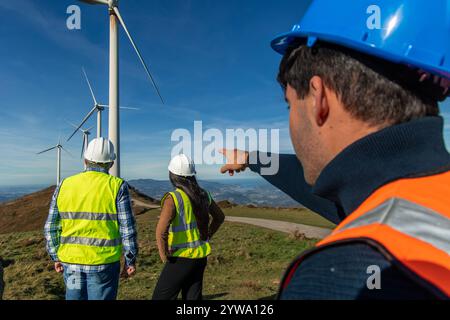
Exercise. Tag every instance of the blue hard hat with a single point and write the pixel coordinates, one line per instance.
(415, 33)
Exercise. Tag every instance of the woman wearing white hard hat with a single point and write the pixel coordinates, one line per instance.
(183, 233)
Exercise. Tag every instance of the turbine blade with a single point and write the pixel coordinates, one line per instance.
(67, 151)
(70, 123)
(82, 122)
(95, 1)
(116, 10)
(46, 150)
(73, 125)
(128, 108)
(90, 87)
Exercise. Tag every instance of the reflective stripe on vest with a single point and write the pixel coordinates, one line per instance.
(184, 227)
(180, 206)
(90, 230)
(184, 235)
(90, 241)
(87, 216)
(194, 244)
(410, 220)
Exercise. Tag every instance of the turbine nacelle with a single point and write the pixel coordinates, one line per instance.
(97, 107)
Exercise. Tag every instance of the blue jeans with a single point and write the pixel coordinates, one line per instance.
(93, 285)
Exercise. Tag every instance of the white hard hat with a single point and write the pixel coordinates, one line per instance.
(100, 150)
(182, 165)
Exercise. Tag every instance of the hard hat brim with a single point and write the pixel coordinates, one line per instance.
(96, 161)
(182, 175)
(283, 42)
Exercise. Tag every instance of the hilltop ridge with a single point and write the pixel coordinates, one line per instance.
(29, 212)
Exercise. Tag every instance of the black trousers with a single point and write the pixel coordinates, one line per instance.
(181, 274)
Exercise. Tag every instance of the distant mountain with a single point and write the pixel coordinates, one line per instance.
(14, 192)
(259, 194)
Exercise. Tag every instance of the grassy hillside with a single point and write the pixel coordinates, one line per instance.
(247, 262)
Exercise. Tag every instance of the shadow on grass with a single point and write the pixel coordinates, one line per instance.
(215, 296)
(7, 262)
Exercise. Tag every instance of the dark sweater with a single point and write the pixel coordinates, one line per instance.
(412, 149)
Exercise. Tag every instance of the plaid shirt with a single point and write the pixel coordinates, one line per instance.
(127, 229)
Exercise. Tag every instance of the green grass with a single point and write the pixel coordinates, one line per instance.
(302, 216)
(247, 263)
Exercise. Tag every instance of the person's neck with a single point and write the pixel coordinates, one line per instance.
(343, 136)
(405, 150)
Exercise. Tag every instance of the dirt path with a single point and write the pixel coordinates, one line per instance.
(283, 226)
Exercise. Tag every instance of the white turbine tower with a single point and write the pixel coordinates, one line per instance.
(85, 135)
(58, 148)
(114, 128)
(97, 107)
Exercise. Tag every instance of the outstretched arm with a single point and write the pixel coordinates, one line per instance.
(289, 178)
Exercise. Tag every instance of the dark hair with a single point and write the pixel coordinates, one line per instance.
(199, 199)
(371, 89)
(97, 165)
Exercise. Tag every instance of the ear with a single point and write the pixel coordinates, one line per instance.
(320, 102)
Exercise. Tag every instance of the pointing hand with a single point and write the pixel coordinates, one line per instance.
(236, 161)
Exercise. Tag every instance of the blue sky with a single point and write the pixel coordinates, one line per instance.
(211, 59)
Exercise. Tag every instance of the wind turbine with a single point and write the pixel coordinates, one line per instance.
(97, 107)
(58, 148)
(114, 128)
(85, 135)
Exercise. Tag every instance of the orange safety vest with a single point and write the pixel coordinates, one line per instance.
(408, 221)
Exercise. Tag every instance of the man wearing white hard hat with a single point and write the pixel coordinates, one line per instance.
(183, 233)
(90, 225)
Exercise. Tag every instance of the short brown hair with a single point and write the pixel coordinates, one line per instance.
(367, 94)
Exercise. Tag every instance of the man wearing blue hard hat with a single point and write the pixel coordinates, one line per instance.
(363, 80)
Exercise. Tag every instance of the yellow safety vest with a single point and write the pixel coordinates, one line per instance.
(184, 236)
(90, 229)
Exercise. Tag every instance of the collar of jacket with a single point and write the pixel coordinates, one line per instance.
(97, 170)
(411, 149)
